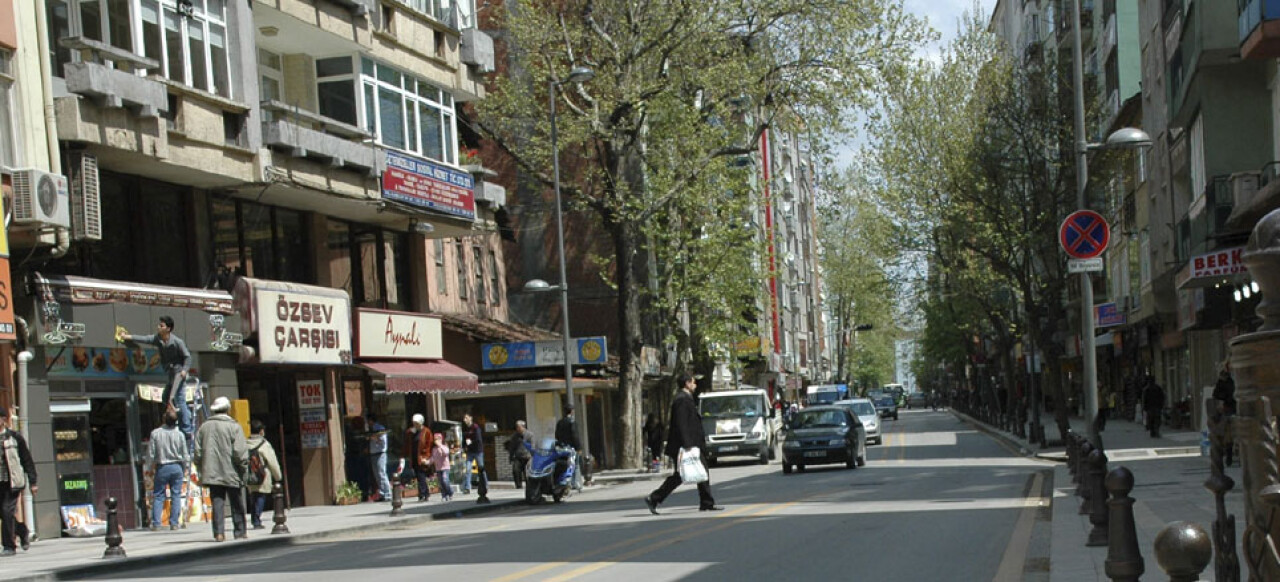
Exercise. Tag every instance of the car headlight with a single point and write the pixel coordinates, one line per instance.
(836, 442)
(790, 444)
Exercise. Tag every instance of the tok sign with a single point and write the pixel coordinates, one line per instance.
(1084, 234)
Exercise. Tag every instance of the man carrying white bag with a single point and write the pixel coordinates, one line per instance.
(684, 443)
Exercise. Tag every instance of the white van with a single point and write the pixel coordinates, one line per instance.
(739, 423)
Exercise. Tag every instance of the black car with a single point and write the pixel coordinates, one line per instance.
(886, 406)
(820, 435)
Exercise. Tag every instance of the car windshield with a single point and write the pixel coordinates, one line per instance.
(823, 397)
(884, 401)
(730, 406)
(820, 419)
(863, 408)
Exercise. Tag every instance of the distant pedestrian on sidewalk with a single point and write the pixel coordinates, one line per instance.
(378, 457)
(169, 463)
(473, 444)
(222, 456)
(440, 456)
(416, 451)
(1153, 405)
(17, 470)
(1225, 393)
(653, 439)
(518, 454)
(259, 493)
(686, 432)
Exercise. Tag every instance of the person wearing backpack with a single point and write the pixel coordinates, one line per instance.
(264, 471)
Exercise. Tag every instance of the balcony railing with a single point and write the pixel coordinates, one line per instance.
(307, 134)
(1259, 29)
(1209, 213)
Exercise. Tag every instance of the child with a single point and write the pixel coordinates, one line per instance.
(440, 458)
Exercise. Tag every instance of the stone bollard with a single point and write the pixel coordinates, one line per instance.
(1124, 558)
(1098, 495)
(1183, 550)
(397, 499)
(1070, 443)
(114, 539)
(277, 510)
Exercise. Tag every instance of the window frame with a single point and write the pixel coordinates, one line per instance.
(415, 101)
(442, 274)
(495, 293)
(460, 252)
(10, 156)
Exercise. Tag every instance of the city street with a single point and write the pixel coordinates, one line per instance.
(937, 501)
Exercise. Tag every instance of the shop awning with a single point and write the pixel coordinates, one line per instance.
(423, 377)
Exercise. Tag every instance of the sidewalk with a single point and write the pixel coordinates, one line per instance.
(1169, 476)
(53, 557)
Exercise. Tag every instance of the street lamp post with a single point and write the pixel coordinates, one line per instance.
(1122, 138)
(576, 76)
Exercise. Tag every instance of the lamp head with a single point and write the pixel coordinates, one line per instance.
(536, 285)
(580, 75)
(1128, 138)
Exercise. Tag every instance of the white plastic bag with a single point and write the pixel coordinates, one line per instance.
(691, 468)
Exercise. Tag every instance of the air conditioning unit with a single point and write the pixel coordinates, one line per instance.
(86, 209)
(40, 199)
(1244, 186)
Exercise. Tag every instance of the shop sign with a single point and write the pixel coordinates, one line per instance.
(425, 184)
(402, 336)
(1219, 263)
(6, 298)
(509, 355)
(301, 328)
(1106, 315)
(310, 394)
(102, 362)
(311, 426)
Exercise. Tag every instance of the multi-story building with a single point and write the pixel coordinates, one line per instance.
(283, 178)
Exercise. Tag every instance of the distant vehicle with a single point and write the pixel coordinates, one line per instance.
(819, 394)
(898, 392)
(739, 423)
(919, 399)
(866, 412)
(887, 406)
(820, 435)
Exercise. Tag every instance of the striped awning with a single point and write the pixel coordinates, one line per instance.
(424, 377)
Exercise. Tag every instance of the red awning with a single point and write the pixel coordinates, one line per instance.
(423, 377)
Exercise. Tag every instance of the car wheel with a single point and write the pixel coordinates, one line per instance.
(764, 455)
(800, 468)
(786, 468)
(852, 463)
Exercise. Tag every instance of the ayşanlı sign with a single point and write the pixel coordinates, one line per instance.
(398, 335)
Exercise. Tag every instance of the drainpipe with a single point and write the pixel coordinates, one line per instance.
(24, 422)
(62, 237)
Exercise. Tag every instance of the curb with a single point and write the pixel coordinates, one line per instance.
(1059, 456)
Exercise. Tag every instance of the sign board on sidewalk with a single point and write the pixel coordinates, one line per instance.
(1084, 265)
(1084, 234)
(1106, 315)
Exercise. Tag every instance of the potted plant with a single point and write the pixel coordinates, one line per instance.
(348, 494)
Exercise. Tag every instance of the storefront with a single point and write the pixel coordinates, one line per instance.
(296, 347)
(102, 397)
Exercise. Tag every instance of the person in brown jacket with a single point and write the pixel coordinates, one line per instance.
(416, 451)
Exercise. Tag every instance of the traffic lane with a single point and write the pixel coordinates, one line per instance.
(887, 506)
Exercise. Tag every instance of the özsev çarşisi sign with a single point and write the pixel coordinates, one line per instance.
(303, 329)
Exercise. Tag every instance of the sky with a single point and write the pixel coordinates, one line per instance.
(944, 16)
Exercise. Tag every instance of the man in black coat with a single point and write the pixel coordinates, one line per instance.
(1153, 405)
(686, 431)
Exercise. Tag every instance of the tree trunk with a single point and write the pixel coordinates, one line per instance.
(626, 239)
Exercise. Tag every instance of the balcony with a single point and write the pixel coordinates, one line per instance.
(1254, 200)
(107, 74)
(309, 135)
(1209, 213)
(1064, 20)
(1259, 27)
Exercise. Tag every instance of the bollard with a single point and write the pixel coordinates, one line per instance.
(114, 539)
(1098, 495)
(1124, 558)
(1183, 550)
(277, 510)
(397, 499)
(1072, 443)
(1226, 564)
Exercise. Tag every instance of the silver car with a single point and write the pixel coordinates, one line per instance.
(866, 412)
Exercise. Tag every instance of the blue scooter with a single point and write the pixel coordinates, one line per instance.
(551, 471)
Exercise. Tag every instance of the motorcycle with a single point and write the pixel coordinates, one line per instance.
(552, 470)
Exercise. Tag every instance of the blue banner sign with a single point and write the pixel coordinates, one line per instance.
(588, 351)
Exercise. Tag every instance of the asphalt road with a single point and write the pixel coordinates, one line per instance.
(937, 501)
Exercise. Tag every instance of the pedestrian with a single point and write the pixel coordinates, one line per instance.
(1225, 393)
(17, 471)
(685, 433)
(258, 494)
(440, 456)
(175, 359)
(1153, 405)
(222, 457)
(653, 440)
(473, 441)
(378, 458)
(170, 462)
(567, 429)
(417, 449)
(518, 453)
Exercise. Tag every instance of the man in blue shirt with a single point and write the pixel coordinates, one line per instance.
(378, 457)
(473, 438)
(175, 358)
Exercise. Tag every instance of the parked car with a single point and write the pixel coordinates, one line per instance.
(886, 406)
(866, 412)
(917, 400)
(820, 435)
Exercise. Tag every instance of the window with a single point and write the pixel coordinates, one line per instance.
(461, 253)
(254, 240)
(336, 90)
(190, 44)
(442, 285)
(494, 291)
(403, 112)
(477, 263)
(370, 264)
(270, 80)
(8, 154)
(1196, 154)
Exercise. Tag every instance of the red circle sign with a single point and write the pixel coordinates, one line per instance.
(1084, 234)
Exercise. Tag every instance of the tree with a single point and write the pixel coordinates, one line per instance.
(681, 89)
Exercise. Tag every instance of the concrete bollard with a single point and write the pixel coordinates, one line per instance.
(114, 538)
(1098, 496)
(1183, 550)
(277, 510)
(397, 499)
(1070, 444)
(1124, 558)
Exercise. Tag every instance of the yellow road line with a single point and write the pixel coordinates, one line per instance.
(1015, 554)
(581, 557)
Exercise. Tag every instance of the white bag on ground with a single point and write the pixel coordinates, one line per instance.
(691, 468)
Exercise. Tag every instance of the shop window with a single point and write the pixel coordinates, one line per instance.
(442, 283)
(255, 240)
(461, 253)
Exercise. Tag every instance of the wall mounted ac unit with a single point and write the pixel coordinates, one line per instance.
(86, 209)
(1244, 185)
(40, 199)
